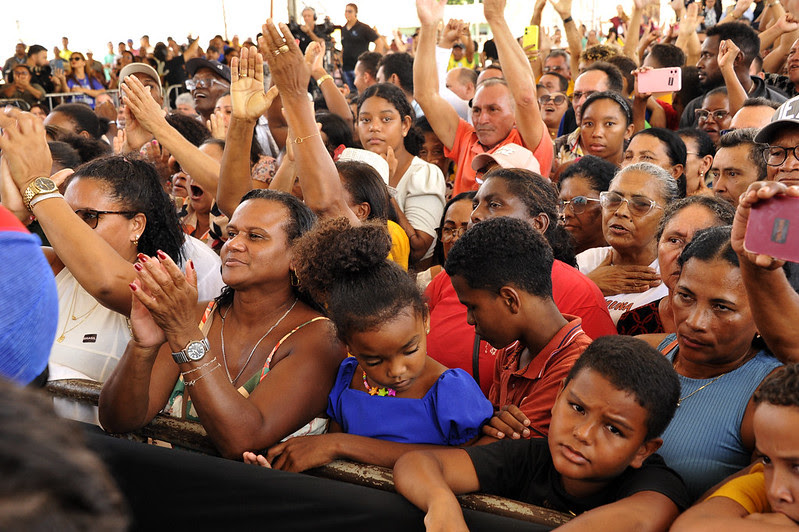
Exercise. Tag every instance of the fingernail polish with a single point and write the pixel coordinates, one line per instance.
(142, 257)
(133, 286)
(137, 267)
(161, 255)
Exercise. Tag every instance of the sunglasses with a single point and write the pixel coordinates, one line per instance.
(638, 205)
(91, 216)
(73, 59)
(578, 204)
(545, 99)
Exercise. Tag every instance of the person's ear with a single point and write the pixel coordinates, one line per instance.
(677, 170)
(647, 449)
(629, 133)
(406, 125)
(137, 224)
(511, 298)
(362, 210)
(541, 223)
(706, 164)
(426, 318)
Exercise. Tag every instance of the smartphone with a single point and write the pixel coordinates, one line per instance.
(660, 80)
(773, 228)
(530, 37)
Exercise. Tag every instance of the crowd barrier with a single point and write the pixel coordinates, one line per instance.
(61, 96)
(191, 435)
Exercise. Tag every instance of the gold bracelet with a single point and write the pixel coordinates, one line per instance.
(300, 140)
(323, 79)
(193, 382)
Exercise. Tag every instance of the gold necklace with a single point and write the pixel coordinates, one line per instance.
(681, 399)
(71, 313)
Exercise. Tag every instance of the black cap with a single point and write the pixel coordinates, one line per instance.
(197, 63)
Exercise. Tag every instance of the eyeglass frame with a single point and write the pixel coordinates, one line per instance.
(207, 83)
(607, 193)
(785, 154)
(453, 232)
(570, 203)
(551, 98)
(96, 215)
(709, 114)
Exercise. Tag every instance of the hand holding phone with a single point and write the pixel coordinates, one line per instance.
(530, 38)
(773, 228)
(660, 80)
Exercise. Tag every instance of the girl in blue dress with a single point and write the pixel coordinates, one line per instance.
(389, 396)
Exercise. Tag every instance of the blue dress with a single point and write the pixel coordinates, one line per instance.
(450, 413)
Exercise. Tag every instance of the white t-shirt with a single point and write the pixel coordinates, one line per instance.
(420, 195)
(588, 260)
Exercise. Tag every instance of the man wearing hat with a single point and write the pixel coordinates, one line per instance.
(462, 55)
(22, 88)
(148, 76)
(209, 81)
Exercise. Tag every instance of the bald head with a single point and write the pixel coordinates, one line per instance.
(462, 81)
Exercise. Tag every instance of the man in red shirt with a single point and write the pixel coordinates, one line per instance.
(503, 110)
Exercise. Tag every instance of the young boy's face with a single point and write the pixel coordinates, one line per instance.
(596, 431)
(487, 311)
(778, 442)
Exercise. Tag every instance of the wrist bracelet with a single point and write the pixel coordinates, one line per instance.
(42, 197)
(300, 140)
(323, 79)
(568, 19)
(193, 382)
(199, 368)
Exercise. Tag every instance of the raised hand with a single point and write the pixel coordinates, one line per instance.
(728, 51)
(290, 72)
(146, 333)
(216, 125)
(787, 23)
(138, 99)
(451, 33)
(690, 21)
(430, 12)
(496, 8)
(24, 146)
(563, 7)
(247, 96)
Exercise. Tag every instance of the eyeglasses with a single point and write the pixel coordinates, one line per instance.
(638, 205)
(451, 233)
(559, 68)
(545, 99)
(777, 155)
(91, 216)
(73, 59)
(576, 95)
(703, 114)
(204, 83)
(577, 203)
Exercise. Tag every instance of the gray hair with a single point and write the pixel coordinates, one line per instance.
(668, 185)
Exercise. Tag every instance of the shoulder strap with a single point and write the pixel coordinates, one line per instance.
(668, 347)
(268, 362)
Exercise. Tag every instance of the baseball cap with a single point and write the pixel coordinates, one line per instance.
(200, 62)
(368, 157)
(786, 114)
(459, 45)
(508, 156)
(140, 68)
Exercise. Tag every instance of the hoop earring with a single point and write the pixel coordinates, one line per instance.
(293, 279)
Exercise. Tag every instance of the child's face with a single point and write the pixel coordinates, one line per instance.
(394, 354)
(485, 310)
(596, 431)
(778, 442)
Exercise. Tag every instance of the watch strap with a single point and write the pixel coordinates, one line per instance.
(182, 356)
(39, 197)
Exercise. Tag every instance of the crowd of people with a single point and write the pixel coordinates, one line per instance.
(507, 271)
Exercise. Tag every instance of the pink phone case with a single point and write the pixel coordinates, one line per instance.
(773, 228)
(660, 80)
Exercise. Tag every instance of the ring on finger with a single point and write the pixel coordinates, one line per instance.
(284, 49)
(276, 52)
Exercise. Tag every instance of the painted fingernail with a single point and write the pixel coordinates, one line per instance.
(142, 257)
(191, 264)
(161, 255)
(133, 286)
(138, 267)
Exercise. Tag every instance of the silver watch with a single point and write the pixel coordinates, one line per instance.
(193, 352)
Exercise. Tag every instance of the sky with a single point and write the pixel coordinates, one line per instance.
(88, 28)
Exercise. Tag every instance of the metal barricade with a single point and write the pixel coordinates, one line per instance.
(51, 96)
(16, 102)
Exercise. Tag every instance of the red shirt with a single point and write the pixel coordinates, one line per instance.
(466, 147)
(533, 388)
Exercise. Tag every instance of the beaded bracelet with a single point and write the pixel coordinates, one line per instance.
(192, 383)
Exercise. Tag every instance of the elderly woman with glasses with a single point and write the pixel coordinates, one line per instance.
(112, 210)
(627, 270)
(714, 116)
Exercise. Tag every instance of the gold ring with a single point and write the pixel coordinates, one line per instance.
(284, 49)
(276, 52)
(243, 75)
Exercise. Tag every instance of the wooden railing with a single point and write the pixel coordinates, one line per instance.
(191, 435)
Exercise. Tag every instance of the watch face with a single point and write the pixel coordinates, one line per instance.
(195, 350)
(44, 184)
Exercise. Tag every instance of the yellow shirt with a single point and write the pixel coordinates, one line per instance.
(747, 490)
(400, 245)
(462, 63)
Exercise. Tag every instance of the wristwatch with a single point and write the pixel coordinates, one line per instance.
(40, 185)
(194, 351)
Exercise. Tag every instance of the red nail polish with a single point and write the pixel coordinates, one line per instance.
(137, 267)
(133, 286)
(191, 264)
(161, 255)
(142, 257)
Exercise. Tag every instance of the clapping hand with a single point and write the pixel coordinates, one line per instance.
(247, 96)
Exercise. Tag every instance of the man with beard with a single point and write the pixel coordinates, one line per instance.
(710, 77)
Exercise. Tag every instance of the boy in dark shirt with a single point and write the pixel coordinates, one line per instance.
(616, 401)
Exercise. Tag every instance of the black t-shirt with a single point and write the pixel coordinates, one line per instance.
(354, 42)
(523, 470)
